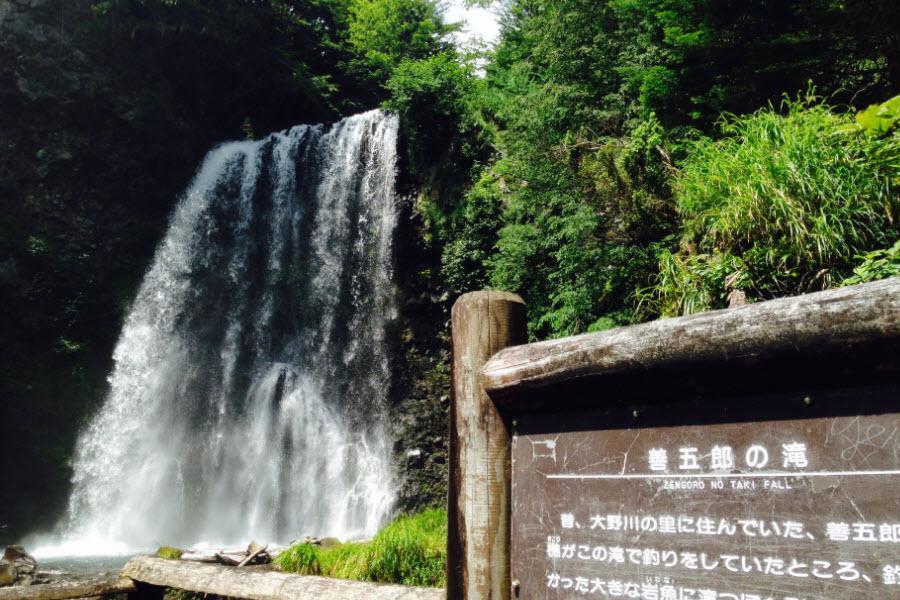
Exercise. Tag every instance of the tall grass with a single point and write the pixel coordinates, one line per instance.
(783, 203)
(411, 550)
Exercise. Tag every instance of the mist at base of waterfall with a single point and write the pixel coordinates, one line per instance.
(248, 395)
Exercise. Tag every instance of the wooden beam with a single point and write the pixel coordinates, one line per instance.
(101, 586)
(255, 584)
(812, 323)
(478, 506)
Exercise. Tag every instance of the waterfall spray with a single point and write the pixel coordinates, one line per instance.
(248, 394)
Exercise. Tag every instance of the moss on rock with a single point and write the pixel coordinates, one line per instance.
(169, 552)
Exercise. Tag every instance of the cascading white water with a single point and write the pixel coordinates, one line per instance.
(248, 394)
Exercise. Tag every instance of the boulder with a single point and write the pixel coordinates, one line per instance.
(17, 567)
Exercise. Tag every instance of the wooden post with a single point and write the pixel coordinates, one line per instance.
(479, 503)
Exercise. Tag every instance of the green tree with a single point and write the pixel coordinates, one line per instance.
(710, 56)
(383, 33)
(591, 107)
(432, 96)
(576, 209)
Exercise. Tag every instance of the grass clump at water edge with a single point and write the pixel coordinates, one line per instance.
(410, 550)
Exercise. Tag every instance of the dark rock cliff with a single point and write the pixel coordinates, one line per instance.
(85, 186)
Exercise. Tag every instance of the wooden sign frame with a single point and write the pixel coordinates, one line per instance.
(836, 338)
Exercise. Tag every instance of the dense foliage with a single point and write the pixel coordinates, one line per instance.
(640, 159)
(781, 204)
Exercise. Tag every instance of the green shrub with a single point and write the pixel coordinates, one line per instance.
(301, 558)
(781, 205)
(345, 561)
(879, 264)
(411, 551)
(687, 284)
(431, 96)
(576, 245)
(877, 119)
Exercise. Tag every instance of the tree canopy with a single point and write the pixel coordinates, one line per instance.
(598, 126)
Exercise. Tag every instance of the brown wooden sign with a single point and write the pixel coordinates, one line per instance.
(789, 496)
(625, 463)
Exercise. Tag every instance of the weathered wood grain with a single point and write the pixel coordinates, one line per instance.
(840, 318)
(478, 508)
(253, 584)
(101, 586)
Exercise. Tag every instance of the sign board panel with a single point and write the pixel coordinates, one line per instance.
(791, 496)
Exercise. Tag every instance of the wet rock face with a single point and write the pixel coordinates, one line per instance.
(420, 423)
(422, 367)
(17, 567)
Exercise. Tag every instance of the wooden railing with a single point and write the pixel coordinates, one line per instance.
(818, 323)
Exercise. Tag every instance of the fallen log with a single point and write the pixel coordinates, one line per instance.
(101, 586)
(263, 585)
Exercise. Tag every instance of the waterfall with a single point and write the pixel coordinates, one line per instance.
(248, 394)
